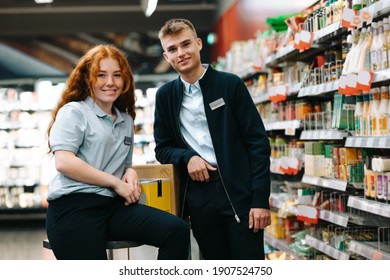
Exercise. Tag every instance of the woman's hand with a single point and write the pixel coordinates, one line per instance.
(129, 188)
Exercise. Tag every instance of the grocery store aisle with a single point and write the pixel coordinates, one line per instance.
(22, 240)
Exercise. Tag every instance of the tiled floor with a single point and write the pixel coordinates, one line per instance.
(22, 240)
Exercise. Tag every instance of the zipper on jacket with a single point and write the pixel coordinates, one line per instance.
(228, 197)
(223, 184)
(184, 200)
(186, 188)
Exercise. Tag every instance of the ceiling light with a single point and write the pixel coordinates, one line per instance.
(149, 6)
(43, 1)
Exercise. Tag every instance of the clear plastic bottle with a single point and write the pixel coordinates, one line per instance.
(382, 42)
(388, 115)
(386, 45)
(354, 63)
(358, 113)
(364, 54)
(352, 39)
(375, 50)
(383, 124)
(363, 119)
(373, 114)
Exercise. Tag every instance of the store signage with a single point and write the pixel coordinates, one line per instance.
(307, 214)
(353, 83)
(278, 93)
(354, 19)
(303, 40)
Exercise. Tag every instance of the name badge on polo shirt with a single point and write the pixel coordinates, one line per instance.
(127, 141)
(217, 103)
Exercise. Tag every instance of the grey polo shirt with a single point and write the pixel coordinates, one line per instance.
(86, 130)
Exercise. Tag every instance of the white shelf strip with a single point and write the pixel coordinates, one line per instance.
(294, 124)
(281, 245)
(330, 183)
(378, 208)
(334, 217)
(323, 134)
(325, 248)
(368, 251)
(368, 142)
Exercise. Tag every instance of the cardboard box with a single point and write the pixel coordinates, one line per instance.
(152, 171)
(157, 193)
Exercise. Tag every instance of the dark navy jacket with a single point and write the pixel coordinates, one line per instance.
(240, 142)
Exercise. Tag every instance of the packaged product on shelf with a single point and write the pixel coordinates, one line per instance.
(383, 114)
(343, 112)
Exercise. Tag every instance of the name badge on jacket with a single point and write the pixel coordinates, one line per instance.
(217, 103)
(127, 140)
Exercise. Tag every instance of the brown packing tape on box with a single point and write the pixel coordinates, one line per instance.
(151, 171)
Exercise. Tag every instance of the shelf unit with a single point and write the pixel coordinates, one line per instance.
(356, 204)
(23, 193)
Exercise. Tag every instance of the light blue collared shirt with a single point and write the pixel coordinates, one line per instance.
(86, 130)
(193, 122)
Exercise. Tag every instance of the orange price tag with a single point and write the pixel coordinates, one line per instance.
(351, 84)
(364, 80)
(303, 40)
(343, 84)
(278, 93)
(307, 214)
(347, 18)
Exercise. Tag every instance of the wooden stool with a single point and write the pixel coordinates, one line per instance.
(110, 247)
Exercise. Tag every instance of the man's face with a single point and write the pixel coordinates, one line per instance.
(182, 51)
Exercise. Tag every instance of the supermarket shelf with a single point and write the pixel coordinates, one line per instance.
(142, 121)
(374, 207)
(281, 201)
(322, 134)
(319, 89)
(326, 248)
(29, 213)
(382, 142)
(292, 89)
(249, 73)
(381, 76)
(294, 124)
(261, 99)
(334, 217)
(327, 31)
(368, 250)
(290, 53)
(380, 8)
(281, 245)
(143, 138)
(331, 183)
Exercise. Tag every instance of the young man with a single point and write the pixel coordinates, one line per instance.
(206, 123)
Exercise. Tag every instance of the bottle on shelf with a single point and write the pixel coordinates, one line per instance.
(381, 40)
(386, 44)
(364, 54)
(388, 114)
(355, 53)
(363, 119)
(352, 41)
(374, 114)
(384, 104)
(358, 114)
(358, 4)
(375, 50)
